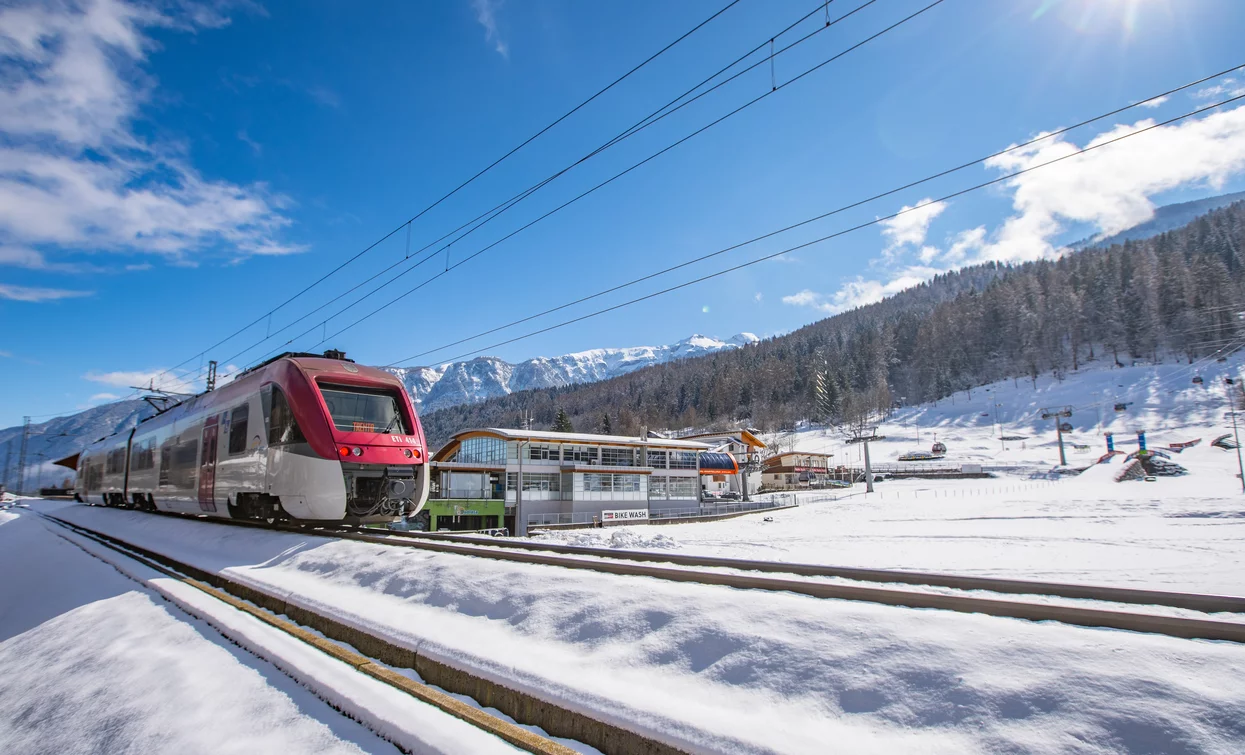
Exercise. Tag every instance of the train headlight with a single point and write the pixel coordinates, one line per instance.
(344, 451)
(407, 453)
(356, 451)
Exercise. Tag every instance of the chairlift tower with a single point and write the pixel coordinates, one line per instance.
(1058, 415)
(1230, 383)
(866, 440)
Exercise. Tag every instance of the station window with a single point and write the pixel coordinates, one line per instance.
(657, 458)
(617, 457)
(481, 451)
(581, 454)
(536, 481)
(540, 452)
(237, 429)
(682, 459)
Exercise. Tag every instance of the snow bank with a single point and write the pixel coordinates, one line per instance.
(716, 669)
(91, 663)
(613, 537)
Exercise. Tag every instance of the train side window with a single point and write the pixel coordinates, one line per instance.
(282, 427)
(237, 429)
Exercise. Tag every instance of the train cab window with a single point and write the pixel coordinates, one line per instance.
(237, 429)
(282, 427)
(363, 411)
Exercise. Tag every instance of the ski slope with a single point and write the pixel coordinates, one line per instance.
(1185, 533)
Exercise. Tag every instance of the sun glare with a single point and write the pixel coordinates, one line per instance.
(1089, 16)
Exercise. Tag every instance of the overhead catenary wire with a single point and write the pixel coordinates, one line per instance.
(947, 197)
(664, 111)
(737, 110)
(822, 216)
(465, 183)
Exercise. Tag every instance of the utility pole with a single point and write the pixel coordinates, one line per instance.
(8, 459)
(520, 526)
(211, 376)
(21, 456)
(1235, 434)
(866, 440)
(1058, 415)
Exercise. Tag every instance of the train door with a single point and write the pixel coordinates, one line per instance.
(207, 464)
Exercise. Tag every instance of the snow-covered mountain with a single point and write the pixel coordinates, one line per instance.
(457, 383)
(64, 436)
(1166, 218)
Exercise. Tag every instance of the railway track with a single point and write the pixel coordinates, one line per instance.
(755, 575)
(312, 630)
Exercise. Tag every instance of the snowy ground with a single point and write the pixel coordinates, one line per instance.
(1185, 534)
(712, 669)
(92, 660)
(1182, 533)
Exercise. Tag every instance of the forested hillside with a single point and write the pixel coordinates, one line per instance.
(1172, 296)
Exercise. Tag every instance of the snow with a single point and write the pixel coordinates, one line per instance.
(474, 380)
(1180, 533)
(714, 669)
(91, 664)
(103, 665)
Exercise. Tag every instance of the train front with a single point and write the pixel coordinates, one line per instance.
(373, 436)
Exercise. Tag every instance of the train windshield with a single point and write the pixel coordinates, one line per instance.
(360, 410)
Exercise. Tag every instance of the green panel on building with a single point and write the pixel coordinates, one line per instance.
(465, 514)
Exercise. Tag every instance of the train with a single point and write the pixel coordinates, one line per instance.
(301, 437)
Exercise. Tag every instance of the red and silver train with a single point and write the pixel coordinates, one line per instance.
(301, 436)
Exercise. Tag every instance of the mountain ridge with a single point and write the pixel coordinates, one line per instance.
(454, 383)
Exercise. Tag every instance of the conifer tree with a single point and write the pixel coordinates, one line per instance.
(562, 423)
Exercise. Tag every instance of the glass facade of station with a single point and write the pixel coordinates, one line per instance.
(578, 474)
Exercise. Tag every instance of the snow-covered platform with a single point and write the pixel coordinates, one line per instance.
(713, 669)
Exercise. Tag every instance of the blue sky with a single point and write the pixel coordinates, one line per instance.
(169, 173)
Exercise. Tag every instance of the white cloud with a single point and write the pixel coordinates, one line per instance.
(35, 294)
(486, 15)
(246, 139)
(859, 292)
(1109, 189)
(1154, 102)
(1228, 87)
(103, 397)
(911, 226)
(75, 175)
(758, 297)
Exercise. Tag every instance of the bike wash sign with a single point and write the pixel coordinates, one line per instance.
(625, 515)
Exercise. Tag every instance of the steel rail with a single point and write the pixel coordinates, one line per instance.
(508, 732)
(253, 601)
(625, 565)
(1205, 603)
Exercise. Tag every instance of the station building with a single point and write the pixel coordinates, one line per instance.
(569, 478)
(795, 469)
